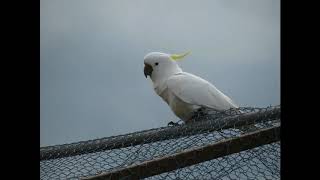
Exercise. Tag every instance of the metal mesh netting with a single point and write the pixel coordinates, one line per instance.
(234, 144)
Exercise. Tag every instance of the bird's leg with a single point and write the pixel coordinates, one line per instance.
(171, 123)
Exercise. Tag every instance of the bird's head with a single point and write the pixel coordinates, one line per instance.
(161, 65)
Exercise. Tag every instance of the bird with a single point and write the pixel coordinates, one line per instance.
(185, 93)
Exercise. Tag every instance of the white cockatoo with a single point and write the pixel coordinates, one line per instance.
(183, 92)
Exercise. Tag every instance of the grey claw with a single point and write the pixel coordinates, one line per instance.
(172, 124)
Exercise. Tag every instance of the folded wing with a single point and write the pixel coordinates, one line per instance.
(195, 90)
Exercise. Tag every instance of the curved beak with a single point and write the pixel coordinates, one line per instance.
(147, 70)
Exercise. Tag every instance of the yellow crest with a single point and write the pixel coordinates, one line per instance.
(177, 57)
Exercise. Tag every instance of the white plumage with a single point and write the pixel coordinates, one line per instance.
(182, 91)
(195, 90)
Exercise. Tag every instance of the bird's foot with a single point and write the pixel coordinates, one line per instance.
(171, 123)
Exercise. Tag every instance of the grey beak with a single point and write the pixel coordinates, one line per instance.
(147, 70)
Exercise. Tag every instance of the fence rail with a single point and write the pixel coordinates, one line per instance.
(194, 156)
(237, 144)
(158, 134)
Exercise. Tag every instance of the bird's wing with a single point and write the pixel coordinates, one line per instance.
(197, 91)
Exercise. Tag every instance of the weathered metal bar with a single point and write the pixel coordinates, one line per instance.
(159, 134)
(193, 156)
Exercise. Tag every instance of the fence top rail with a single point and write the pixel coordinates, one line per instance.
(193, 155)
(159, 134)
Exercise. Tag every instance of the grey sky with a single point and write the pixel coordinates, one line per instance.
(92, 82)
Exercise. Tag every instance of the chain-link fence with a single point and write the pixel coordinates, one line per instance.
(234, 144)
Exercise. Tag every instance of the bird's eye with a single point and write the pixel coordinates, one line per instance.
(156, 64)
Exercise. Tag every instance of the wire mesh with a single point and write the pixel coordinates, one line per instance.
(91, 158)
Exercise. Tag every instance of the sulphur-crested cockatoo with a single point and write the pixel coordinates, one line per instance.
(183, 92)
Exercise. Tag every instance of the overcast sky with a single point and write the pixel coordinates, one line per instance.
(92, 82)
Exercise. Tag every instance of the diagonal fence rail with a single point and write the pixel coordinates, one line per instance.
(188, 151)
(194, 156)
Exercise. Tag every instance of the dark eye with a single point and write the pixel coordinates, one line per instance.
(156, 64)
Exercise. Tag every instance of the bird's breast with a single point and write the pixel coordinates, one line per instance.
(180, 108)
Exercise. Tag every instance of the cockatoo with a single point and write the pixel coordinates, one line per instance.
(184, 92)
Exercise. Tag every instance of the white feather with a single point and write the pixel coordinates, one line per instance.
(182, 91)
(197, 91)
